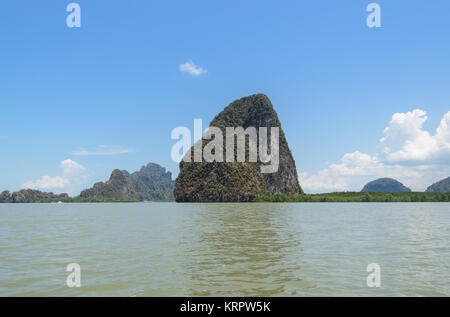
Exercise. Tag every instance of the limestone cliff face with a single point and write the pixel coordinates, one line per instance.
(239, 181)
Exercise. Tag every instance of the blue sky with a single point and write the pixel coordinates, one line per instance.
(113, 88)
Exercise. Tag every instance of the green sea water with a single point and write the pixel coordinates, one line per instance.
(254, 249)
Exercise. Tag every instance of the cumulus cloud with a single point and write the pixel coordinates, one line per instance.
(103, 150)
(407, 152)
(406, 141)
(47, 182)
(192, 69)
(70, 169)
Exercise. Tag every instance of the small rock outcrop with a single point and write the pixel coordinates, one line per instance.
(238, 181)
(385, 185)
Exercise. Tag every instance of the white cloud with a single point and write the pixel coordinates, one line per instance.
(405, 140)
(192, 69)
(47, 182)
(408, 153)
(70, 167)
(103, 150)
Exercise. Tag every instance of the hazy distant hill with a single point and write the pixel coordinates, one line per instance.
(442, 186)
(151, 182)
(385, 185)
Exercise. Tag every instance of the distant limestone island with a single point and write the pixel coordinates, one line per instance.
(150, 183)
(29, 196)
(234, 181)
(390, 185)
(385, 185)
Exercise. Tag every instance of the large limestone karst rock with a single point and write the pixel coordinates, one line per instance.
(238, 181)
